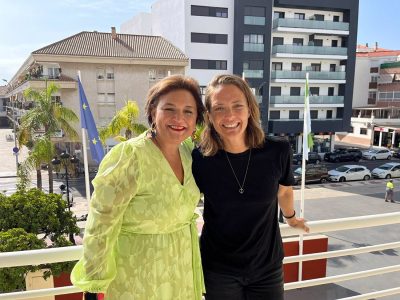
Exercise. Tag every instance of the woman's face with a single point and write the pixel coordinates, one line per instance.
(175, 116)
(229, 113)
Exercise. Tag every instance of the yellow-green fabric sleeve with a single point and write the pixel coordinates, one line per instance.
(114, 187)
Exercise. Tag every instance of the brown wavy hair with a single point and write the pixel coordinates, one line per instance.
(173, 83)
(211, 142)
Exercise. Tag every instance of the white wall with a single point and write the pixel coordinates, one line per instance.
(361, 82)
(139, 24)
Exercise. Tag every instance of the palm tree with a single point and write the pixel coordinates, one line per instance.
(42, 152)
(46, 115)
(125, 119)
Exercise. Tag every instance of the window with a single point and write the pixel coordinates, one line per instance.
(275, 114)
(277, 66)
(152, 75)
(208, 11)
(316, 42)
(336, 18)
(332, 68)
(208, 64)
(363, 131)
(318, 17)
(203, 89)
(295, 91)
(253, 65)
(299, 16)
(314, 114)
(374, 70)
(329, 114)
(53, 73)
(316, 67)
(296, 66)
(279, 15)
(100, 73)
(56, 99)
(331, 91)
(254, 38)
(255, 11)
(314, 91)
(334, 43)
(374, 79)
(110, 73)
(294, 114)
(372, 95)
(209, 38)
(298, 42)
(277, 41)
(276, 90)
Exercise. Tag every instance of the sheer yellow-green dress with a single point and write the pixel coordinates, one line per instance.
(140, 240)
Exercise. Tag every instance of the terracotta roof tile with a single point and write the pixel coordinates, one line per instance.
(102, 44)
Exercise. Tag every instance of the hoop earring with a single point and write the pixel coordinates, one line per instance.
(194, 136)
(153, 130)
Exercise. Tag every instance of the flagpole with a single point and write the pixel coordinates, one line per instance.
(306, 120)
(85, 157)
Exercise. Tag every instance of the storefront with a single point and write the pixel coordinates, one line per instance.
(386, 137)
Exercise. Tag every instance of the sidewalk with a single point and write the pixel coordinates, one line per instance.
(8, 166)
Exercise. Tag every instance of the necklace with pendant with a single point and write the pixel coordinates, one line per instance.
(241, 186)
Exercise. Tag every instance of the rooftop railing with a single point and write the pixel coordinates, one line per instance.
(313, 100)
(312, 50)
(322, 75)
(37, 257)
(310, 24)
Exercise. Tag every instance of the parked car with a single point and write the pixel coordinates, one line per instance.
(313, 158)
(314, 173)
(387, 170)
(396, 153)
(349, 172)
(342, 154)
(381, 153)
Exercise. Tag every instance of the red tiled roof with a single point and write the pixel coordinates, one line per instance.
(101, 44)
(364, 51)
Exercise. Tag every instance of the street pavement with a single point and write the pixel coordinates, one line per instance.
(323, 201)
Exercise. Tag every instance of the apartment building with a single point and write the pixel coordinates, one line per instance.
(114, 68)
(273, 44)
(376, 98)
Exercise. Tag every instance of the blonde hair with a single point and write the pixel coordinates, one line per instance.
(169, 84)
(211, 142)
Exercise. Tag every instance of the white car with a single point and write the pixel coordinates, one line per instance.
(387, 170)
(381, 153)
(349, 172)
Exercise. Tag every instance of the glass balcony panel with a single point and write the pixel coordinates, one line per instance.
(316, 50)
(313, 99)
(311, 24)
(253, 73)
(312, 75)
(250, 20)
(253, 47)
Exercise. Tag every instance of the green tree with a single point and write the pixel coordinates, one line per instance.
(48, 116)
(124, 120)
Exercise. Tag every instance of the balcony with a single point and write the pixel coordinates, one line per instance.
(251, 20)
(309, 51)
(37, 257)
(279, 76)
(253, 73)
(325, 100)
(285, 24)
(251, 47)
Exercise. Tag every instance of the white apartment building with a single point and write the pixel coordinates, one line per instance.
(273, 44)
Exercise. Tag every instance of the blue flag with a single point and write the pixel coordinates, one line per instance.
(87, 122)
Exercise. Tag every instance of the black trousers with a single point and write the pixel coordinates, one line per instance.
(230, 287)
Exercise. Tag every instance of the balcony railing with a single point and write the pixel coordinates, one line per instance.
(310, 24)
(251, 20)
(253, 73)
(313, 50)
(251, 47)
(313, 100)
(284, 74)
(37, 257)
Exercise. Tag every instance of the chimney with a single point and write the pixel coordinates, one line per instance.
(366, 45)
(113, 33)
(376, 46)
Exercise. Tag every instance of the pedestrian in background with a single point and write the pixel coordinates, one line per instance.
(389, 191)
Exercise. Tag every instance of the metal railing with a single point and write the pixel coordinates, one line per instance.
(252, 20)
(253, 47)
(300, 100)
(313, 50)
(37, 257)
(323, 75)
(253, 73)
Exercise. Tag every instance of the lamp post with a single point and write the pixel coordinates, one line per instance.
(15, 149)
(64, 159)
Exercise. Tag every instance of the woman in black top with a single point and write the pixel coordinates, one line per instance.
(242, 175)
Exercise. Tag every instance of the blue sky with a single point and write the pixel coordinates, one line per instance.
(27, 25)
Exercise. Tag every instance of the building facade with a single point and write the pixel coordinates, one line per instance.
(114, 68)
(272, 43)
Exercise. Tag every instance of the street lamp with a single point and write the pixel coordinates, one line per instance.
(15, 149)
(64, 159)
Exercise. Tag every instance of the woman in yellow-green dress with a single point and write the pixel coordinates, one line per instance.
(140, 239)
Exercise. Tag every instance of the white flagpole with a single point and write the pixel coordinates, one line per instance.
(303, 174)
(85, 156)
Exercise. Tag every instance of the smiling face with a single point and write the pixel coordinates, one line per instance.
(175, 116)
(229, 114)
